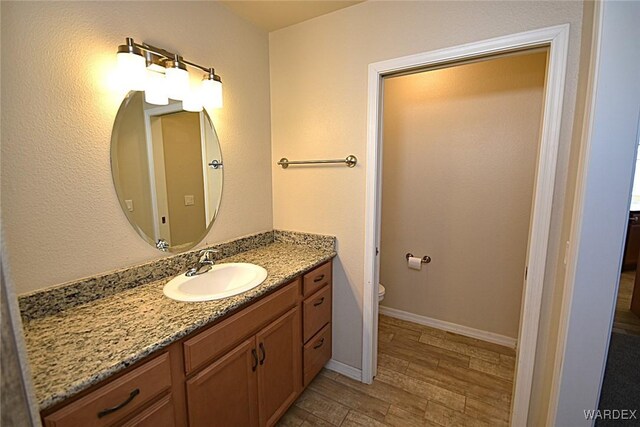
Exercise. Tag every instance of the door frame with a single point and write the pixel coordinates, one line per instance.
(610, 138)
(148, 114)
(556, 38)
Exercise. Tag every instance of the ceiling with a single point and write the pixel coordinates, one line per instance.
(273, 15)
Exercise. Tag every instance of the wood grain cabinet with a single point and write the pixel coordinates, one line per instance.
(632, 243)
(280, 367)
(316, 308)
(635, 294)
(245, 370)
(253, 384)
(225, 393)
(120, 398)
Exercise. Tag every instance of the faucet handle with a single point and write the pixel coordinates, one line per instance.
(206, 255)
(162, 245)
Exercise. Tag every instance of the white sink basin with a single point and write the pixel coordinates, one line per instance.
(222, 281)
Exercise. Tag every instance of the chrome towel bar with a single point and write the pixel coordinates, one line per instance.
(350, 161)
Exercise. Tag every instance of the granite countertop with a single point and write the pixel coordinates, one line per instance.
(71, 350)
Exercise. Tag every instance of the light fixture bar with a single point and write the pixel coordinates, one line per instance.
(166, 55)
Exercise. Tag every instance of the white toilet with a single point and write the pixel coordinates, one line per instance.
(381, 291)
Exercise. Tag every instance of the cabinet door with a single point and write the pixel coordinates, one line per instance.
(225, 393)
(280, 372)
(632, 245)
(635, 295)
(160, 414)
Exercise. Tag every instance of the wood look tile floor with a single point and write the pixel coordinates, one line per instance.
(624, 320)
(426, 377)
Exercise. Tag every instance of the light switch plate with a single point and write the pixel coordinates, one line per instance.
(188, 200)
(129, 204)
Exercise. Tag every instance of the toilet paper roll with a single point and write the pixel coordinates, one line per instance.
(414, 263)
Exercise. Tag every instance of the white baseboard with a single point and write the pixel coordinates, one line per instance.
(450, 327)
(346, 370)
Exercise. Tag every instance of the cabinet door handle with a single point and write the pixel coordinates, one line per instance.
(108, 411)
(319, 344)
(633, 219)
(319, 302)
(319, 278)
(264, 354)
(255, 359)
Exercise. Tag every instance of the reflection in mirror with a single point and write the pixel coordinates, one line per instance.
(167, 170)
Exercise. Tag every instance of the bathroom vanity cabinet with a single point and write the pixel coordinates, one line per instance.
(244, 370)
(259, 377)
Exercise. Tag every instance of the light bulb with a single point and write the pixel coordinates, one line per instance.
(156, 90)
(132, 69)
(177, 83)
(192, 101)
(211, 92)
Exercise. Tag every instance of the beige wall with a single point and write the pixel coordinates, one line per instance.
(61, 218)
(459, 156)
(131, 160)
(319, 108)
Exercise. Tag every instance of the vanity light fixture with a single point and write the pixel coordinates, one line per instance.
(211, 87)
(192, 101)
(162, 75)
(155, 91)
(131, 65)
(177, 78)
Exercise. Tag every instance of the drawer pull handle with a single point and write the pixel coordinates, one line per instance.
(255, 359)
(319, 302)
(319, 278)
(108, 411)
(264, 354)
(319, 344)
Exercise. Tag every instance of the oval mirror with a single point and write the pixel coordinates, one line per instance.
(167, 171)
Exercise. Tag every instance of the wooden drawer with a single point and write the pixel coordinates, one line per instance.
(215, 341)
(160, 414)
(317, 353)
(316, 278)
(316, 311)
(128, 393)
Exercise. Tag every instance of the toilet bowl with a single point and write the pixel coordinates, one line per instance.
(381, 291)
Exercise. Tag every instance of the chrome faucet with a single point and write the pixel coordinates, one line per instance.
(205, 263)
(162, 245)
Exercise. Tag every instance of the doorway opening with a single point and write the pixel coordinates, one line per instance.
(621, 382)
(459, 147)
(627, 315)
(555, 40)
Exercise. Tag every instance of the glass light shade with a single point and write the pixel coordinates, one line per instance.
(177, 83)
(133, 70)
(156, 90)
(211, 92)
(192, 102)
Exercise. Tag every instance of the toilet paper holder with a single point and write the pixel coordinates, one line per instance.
(425, 259)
